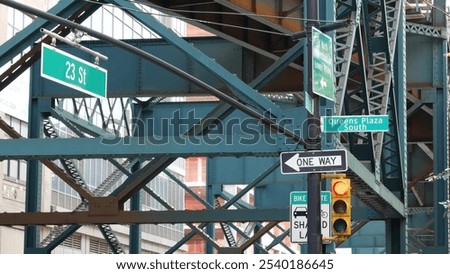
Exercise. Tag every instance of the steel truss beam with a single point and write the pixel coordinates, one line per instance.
(236, 103)
(146, 84)
(112, 216)
(128, 147)
(351, 95)
(247, 99)
(381, 20)
(426, 30)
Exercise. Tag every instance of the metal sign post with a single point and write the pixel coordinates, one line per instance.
(313, 141)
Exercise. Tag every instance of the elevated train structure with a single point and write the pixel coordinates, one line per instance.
(390, 59)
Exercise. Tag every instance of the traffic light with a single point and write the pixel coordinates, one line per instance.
(341, 206)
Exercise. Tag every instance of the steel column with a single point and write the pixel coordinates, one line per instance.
(313, 143)
(34, 178)
(400, 92)
(440, 132)
(440, 137)
(135, 229)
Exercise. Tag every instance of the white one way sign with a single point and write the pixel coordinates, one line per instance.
(313, 161)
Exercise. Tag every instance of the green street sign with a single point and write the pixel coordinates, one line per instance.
(301, 198)
(356, 123)
(71, 71)
(309, 103)
(322, 65)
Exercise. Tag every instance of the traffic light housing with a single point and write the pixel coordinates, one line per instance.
(341, 206)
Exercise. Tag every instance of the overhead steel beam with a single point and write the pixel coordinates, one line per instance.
(222, 96)
(141, 177)
(425, 30)
(146, 217)
(144, 147)
(149, 80)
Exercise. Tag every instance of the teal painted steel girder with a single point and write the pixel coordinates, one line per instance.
(376, 24)
(425, 30)
(259, 114)
(130, 76)
(144, 147)
(146, 217)
(352, 81)
(34, 179)
(400, 94)
(423, 68)
(440, 163)
(173, 119)
(142, 176)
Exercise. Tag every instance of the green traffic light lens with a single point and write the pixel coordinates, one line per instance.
(340, 207)
(340, 225)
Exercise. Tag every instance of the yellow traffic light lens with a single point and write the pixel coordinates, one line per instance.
(340, 206)
(341, 187)
(340, 225)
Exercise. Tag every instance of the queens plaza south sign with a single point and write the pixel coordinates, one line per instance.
(355, 123)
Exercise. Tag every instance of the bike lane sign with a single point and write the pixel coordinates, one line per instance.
(299, 215)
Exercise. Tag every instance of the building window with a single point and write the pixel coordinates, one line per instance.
(73, 241)
(99, 246)
(16, 169)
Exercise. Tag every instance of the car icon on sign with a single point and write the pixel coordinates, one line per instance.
(300, 211)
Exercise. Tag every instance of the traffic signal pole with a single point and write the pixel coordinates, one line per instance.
(313, 139)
